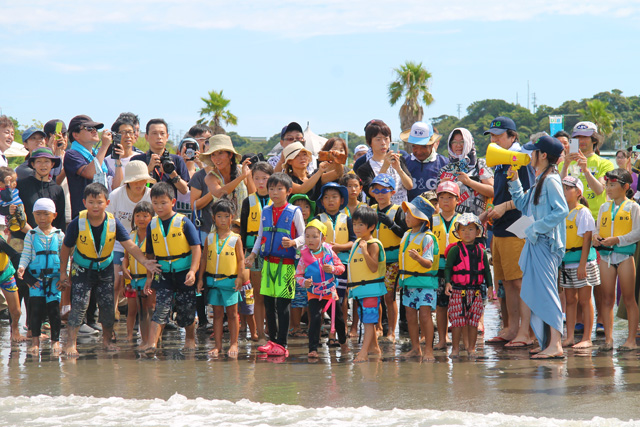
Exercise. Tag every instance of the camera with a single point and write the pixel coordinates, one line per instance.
(258, 158)
(167, 164)
(117, 138)
(191, 148)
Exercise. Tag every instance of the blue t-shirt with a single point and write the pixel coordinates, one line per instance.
(158, 173)
(425, 175)
(73, 161)
(71, 235)
(501, 194)
(190, 232)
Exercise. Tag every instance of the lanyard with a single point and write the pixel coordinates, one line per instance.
(219, 249)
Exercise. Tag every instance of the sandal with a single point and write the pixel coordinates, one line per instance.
(333, 343)
(278, 350)
(267, 347)
(298, 334)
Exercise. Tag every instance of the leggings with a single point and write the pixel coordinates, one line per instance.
(39, 309)
(201, 307)
(279, 329)
(315, 322)
(23, 294)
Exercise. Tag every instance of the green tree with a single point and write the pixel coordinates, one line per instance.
(412, 84)
(214, 113)
(597, 113)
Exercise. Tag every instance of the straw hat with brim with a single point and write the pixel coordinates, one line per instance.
(136, 170)
(292, 150)
(46, 153)
(218, 143)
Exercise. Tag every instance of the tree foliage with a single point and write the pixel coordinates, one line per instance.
(214, 113)
(411, 83)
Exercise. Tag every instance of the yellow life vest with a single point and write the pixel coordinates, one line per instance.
(445, 237)
(338, 234)
(253, 221)
(221, 257)
(388, 238)
(171, 250)
(362, 281)
(573, 250)
(138, 271)
(86, 255)
(614, 224)
(6, 267)
(348, 212)
(412, 269)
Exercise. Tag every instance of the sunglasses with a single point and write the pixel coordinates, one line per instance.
(381, 190)
(615, 179)
(89, 129)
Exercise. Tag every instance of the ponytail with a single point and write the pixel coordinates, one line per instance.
(551, 168)
(583, 201)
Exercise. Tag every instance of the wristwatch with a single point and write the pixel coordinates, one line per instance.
(175, 179)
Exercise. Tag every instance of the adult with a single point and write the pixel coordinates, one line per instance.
(359, 151)
(296, 163)
(424, 163)
(288, 135)
(201, 133)
(57, 143)
(623, 160)
(564, 139)
(506, 247)
(471, 174)
(382, 160)
(126, 128)
(162, 165)
(84, 164)
(227, 178)
(32, 138)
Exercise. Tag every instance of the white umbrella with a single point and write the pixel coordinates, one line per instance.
(16, 150)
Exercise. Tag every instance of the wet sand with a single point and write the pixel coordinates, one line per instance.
(583, 385)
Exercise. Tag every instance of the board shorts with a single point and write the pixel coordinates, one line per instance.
(300, 299)
(278, 280)
(461, 313)
(223, 297)
(368, 308)
(506, 256)
(9, 286)
(246, 305)
(391, 276)
(172, 292)
(568, 277)
(419, 297)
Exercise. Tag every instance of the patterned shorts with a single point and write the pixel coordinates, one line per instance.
(568, 277)
(278, 280)
(300, 300)
(246, 306)
(369, 309)
(443, 299)
(461, 313)
(419, 297)
(391, 276)
(9, 286)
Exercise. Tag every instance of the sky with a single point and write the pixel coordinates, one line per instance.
(323, 62)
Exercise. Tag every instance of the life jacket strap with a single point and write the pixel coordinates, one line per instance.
(172, 257)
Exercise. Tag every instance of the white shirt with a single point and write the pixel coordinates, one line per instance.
(122, 207)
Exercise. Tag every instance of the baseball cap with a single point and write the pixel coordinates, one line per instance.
(572, 181)
(362, 148)
(385, 180)
(449, 187)
(500, 125)
(44, 204)
(420, 134)
(29, 132)
(584, 129)
(546, 144)
(293, 126)
(50, 126)
(83, 120)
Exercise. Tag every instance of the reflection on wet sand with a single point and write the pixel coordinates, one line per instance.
(584, 385)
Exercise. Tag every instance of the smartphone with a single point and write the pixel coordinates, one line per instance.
(394, 147)
(116, 144)
(574, 145)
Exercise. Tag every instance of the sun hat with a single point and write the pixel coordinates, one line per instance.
(572, 181)
(449, 187)
(44, 204)
(292, 150)
(500, 125)
(317, 224)
(385, 180)
(219, 142)
(584, 129)
(335, 186)
(297, 197)
(420, 134)
(136, 170)
(419, 207)
(29, 132)
(44, 152)
(466, 219)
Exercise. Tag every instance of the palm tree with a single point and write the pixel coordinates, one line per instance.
(597, 113)
(412, 83)
(214, 112)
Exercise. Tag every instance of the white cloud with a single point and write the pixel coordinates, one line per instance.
(48, 57)
(289, 18)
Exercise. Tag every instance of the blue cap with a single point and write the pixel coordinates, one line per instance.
(293, 126)
(546, 144)
(385, 180)
(30, 132)
(335, 186)
(500, 125)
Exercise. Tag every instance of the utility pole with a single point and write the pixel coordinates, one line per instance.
(534, 103)
(459, 108)
(517, 102)
(528, 107)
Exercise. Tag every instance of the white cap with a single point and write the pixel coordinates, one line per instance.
(362, 148)
(44, 204)
(584, 129)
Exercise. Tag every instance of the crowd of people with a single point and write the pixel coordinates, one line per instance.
(92, 227)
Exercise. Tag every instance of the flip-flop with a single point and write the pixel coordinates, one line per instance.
(624, 348)
(606, 347)
(547, 356)
(518, 344)
(497, 340)
(333, 343)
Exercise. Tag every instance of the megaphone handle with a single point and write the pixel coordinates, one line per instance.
(512, 172)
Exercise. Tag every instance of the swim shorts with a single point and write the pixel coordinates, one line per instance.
(278, 280)
(391, 276)
(300, 300)
(9, 286)
(369, 309)
(419, 297)
(246, 305)
(462, 315)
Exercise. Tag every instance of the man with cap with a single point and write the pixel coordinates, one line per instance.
(424, 162)
(506, 247)
(84, 164)
(290, 134)
(32, 138)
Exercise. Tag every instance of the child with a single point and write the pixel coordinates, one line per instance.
(40, 258)
(333, 199)
(92, 266)
(448, 194)
(299, 303)
(390, 229)
(317, 271)
(616, 239)
(366, 270)
(579, 272)
(250, 216)
(223, 270)
(432, 197)
(138, 302)
(544, 246)
(175, 243)
(418, 275)
(354, 187)
(466, 270)
(281, 231)
(10, 202)
(246, 306)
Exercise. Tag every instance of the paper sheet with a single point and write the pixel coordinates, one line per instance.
(520, 226)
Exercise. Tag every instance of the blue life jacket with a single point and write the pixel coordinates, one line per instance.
(272, 246)
(46, 263)
(322, 282)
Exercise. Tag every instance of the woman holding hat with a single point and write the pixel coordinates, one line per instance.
(545, 245)
(227, 178)
(122, 202)
(296, 160)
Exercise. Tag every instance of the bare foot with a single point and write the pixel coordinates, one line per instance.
(254, 338)
(233, 351)
(214, 352)
(361, 357)
(18, 338)
(312, 355)
(72, 351)
(34, 349)
(472, 354)
(129, 338)
(150, 349)
(189, 345)
(110, 347)
(583, 344)
(428, 356)
(415, 352)
(440, 346)
(353, 333)
(55, 348)
(630, 344)
(389, 338)
(376, 352)
(568, 342)
(344, 348)
(454, 353)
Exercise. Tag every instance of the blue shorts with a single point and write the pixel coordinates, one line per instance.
(300, 299)
(368, 307)
(118, 257)
(419, 297)
(9, 286)
(223, 297)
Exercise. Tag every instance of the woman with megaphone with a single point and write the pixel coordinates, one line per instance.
(544, 247)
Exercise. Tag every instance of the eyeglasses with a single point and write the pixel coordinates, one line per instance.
(381, 190)
(292, 139)
(89, 129)
(457, 142)
(126, 133)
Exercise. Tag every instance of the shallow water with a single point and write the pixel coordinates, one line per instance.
(585, 385)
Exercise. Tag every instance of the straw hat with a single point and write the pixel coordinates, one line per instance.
(218, 143)
(136, 170)
(292, 150)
